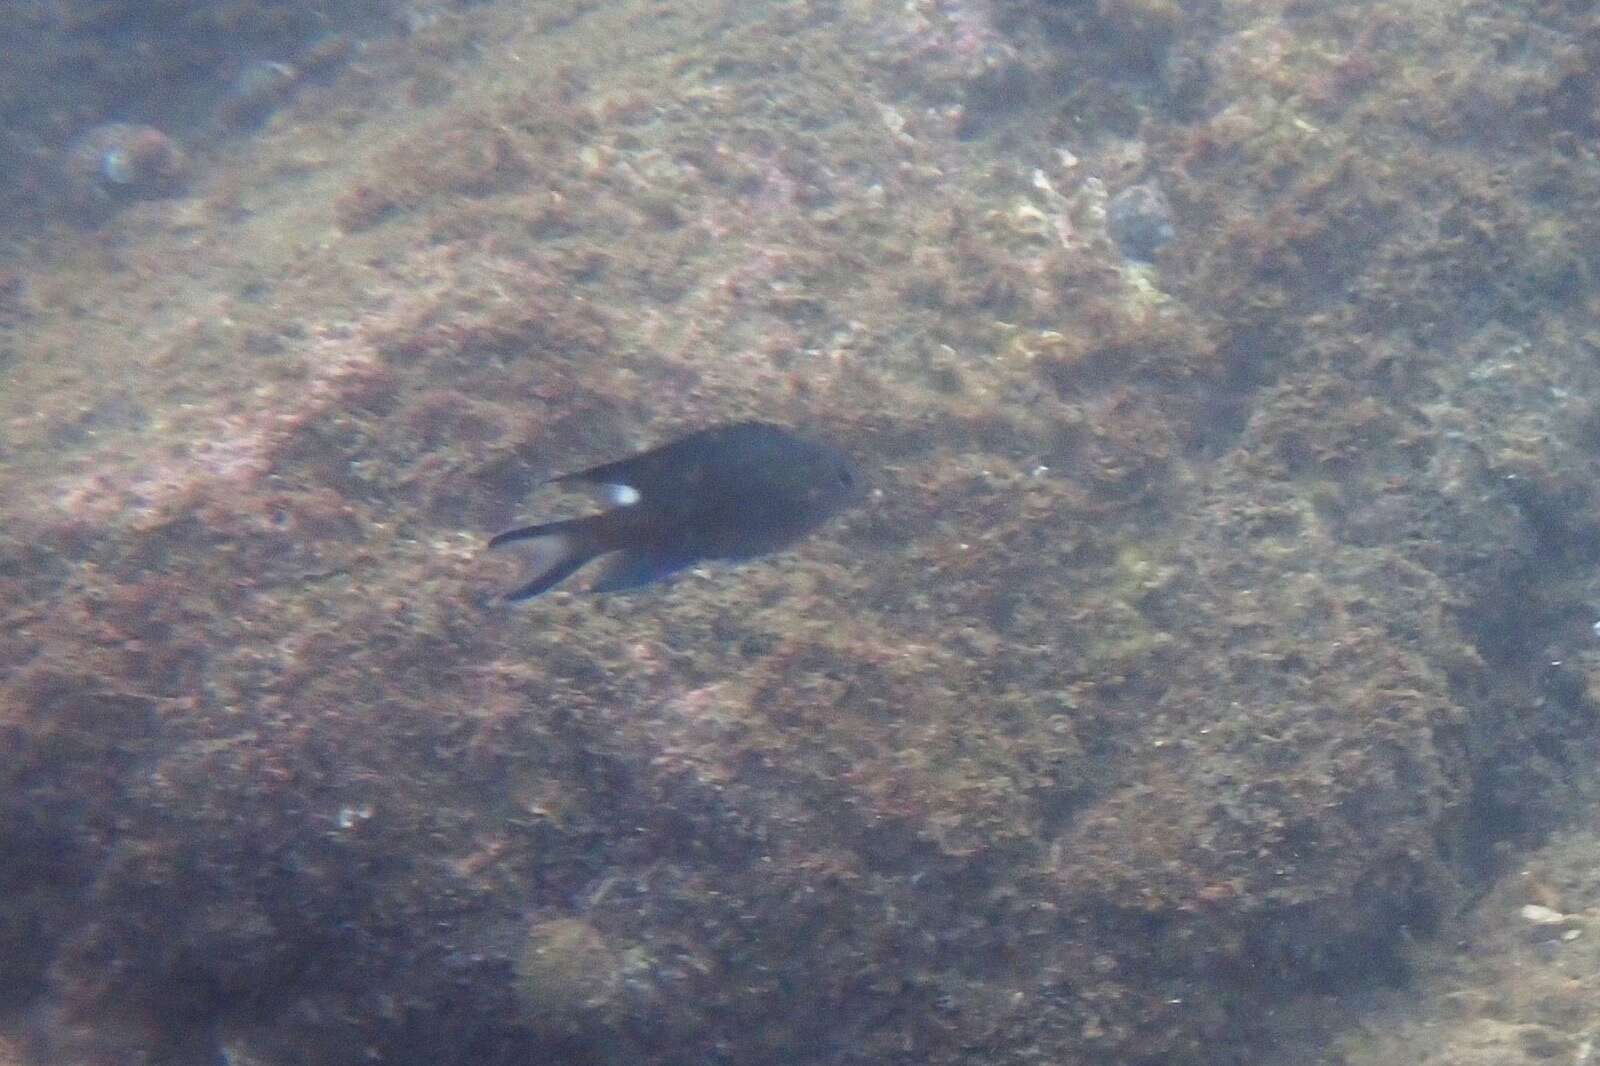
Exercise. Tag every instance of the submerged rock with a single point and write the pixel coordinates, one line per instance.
(1139, 219)
(121, 160)
(257, 91)
(569, 977)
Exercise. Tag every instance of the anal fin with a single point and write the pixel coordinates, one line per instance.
(634, 568)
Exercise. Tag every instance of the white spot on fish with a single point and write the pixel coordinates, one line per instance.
(622, 495)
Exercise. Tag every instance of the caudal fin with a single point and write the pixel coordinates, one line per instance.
(555, 551)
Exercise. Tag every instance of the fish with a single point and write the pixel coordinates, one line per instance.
(732, 492)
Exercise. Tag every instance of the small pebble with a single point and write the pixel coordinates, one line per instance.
(1540, 915)
(1139, 219)
(126, 161)
(1547, 950)
(257, 90)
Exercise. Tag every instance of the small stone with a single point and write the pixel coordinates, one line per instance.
(1539, 1042)
(257, 90)
(126, 161)
(1540, 915)
(1139, 220)
(569, 976)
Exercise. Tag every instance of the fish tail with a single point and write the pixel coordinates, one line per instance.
(556, 551)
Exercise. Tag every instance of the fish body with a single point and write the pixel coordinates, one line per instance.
(730, 492)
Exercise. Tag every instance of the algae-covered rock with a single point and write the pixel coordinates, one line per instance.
(569, 977)
(1192, 657)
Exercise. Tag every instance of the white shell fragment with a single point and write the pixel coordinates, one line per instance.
(1538, 915)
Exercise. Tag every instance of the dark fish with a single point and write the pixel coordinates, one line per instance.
(730, 492)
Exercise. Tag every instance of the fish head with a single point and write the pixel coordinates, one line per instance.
(827, 480)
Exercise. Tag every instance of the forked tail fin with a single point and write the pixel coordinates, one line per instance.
(555, 551)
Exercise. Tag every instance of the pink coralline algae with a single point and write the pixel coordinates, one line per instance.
(236, 449)
(229, 443)
(959, 30)
(120, 160)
